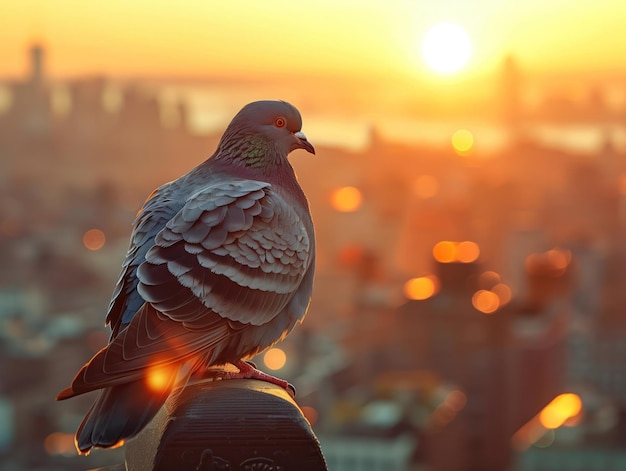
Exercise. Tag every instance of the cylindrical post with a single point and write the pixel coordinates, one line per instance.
(246, 425)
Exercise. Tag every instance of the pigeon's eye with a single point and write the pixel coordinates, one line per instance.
(280, 122)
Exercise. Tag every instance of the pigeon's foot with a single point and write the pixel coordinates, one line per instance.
(248, 370)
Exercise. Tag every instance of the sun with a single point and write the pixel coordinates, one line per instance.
(446, 48)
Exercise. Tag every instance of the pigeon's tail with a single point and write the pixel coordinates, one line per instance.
(121, 412)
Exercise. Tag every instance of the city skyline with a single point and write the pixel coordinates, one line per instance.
(578, 113)
(458, 295)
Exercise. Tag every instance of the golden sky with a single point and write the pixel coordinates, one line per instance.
(205, 37)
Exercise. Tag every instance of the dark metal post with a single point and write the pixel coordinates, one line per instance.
(234, 425)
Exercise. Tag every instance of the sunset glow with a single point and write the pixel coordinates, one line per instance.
(201, 38)
(446, 48)
(458, 234)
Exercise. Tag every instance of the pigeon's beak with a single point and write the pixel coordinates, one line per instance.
(303, 143)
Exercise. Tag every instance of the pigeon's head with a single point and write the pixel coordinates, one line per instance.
(265, 128)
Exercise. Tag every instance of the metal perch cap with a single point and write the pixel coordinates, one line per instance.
(246, 425)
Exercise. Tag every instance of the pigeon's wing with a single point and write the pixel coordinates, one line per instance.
(126, 301)
(232, 257)
(237, 248)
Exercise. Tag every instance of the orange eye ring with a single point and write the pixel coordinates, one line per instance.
(280, 122)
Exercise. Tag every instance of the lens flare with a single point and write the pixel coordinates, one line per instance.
(158, 378)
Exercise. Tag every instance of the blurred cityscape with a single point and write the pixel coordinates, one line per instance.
(468, 312)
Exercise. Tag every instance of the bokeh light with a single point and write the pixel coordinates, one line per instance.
(447, 410)
(275, 358)
(488, 279)
(444, 251)
(533, 262)
(559, 410)
(59, 443)
(462, 141)
(554, 262)
(421, 288)
(559, 259)
(346, 199)
(94, 239)
(485, 301)
(456, 400)
(545, 440)
(447, 251)
(504, 293)
(467, 251)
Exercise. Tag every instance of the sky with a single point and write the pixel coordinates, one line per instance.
(326, 37)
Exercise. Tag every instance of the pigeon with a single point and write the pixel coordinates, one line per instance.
(219, 268)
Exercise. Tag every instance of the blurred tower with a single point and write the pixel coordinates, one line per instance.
(183, 116)
(609, 160)
(473, 350)
(31, 100)
(510, 103)
(37, 58)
